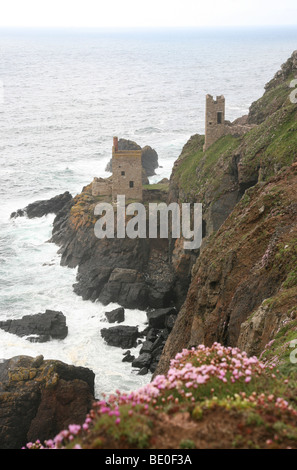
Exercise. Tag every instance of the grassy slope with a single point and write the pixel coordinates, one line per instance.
(263, 150)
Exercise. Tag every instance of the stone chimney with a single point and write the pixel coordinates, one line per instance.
(214, 120)
(115, 144)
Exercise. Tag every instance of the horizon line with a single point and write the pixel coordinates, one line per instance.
(149, 27)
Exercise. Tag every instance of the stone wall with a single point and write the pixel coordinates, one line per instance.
(101, 187)
(237, 129)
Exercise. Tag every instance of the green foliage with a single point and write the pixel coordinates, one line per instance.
(271, 145)
(133, 427)
(254, 419)
(187, 444)
(159, 186)
(271, 101)
(280, 349)
(196, 168)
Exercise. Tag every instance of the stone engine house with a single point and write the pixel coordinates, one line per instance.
(126, 176)
(215, 124)
(126, 173)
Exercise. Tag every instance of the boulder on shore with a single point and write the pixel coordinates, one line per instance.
(158, 318)
(143, 360)
(44, 207)
(128, 357)
(121, 336)
(116, 316)
(39, 328)
(161, 322)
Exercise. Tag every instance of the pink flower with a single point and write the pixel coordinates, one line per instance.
(74, 428)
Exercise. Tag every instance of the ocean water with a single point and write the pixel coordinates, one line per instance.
(63, 95)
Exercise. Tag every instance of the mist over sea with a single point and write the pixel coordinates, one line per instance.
(66, 93)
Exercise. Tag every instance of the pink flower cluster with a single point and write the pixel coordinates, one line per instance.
(195, 367)
(67, 435)
(189, 373)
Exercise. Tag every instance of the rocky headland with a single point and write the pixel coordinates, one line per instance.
(243, 284)
(238, 290)
(38, 328)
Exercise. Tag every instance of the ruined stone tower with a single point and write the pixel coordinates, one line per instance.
(214, 120)
(126, 173)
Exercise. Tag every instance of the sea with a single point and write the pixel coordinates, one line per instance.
(64, 94)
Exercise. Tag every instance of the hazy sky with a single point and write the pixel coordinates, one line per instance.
(146, 13)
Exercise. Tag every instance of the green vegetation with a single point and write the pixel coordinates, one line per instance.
(271, 101)
(156, 186)
(218, 387)
(187, 444)
(280, 349)
(197, 168)
(273, 144)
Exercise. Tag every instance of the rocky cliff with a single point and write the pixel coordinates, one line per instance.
(246, 184)
(239, 289)
(243, 285)
(40, 397)
(136, 273)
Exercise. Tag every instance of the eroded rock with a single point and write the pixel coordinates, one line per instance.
(121, 336)
(44, 207)
(39, 328)
(39, 398)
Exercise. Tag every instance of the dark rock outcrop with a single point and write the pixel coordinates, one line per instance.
(143, 360)
(39, 398)
(158, 318)
(116, 316)
(44, 207)
(40, 327)
(121, 336)
(125, 286)
(149, 158)
(135, 273)
(160, 323)
(128, 357)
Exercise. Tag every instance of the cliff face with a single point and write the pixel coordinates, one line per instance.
(136, 273)
(219, 177)
(38, 398)
(247, 187)
(243, 283)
